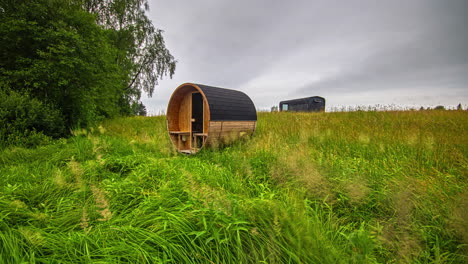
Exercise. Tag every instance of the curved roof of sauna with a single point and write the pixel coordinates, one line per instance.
(226, 104)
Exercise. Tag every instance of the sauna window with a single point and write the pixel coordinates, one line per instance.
(285, 107)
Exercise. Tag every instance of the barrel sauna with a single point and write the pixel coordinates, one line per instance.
(200, 115)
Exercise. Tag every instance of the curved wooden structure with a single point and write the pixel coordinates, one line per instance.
(200, 115)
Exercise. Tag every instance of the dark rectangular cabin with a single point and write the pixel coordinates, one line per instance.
(309, 104)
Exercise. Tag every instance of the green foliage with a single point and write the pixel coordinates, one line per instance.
(56, 53)
(139, 109)
(142, 49)
(362, 187)
(27, 121)
(62, 53)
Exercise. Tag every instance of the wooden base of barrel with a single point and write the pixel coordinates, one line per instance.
(219, 133)
(225, 132)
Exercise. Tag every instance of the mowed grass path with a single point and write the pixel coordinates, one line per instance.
(359, 187)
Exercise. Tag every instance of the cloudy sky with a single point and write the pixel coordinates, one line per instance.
(360, 52)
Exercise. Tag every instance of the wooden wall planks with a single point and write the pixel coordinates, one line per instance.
(221, 132)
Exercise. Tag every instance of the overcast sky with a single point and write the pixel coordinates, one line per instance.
(361, 52)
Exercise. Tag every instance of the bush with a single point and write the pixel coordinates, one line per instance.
(27, 121)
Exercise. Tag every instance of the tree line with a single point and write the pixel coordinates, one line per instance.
(70, 63)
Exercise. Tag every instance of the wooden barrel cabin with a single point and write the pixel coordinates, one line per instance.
(200, 115)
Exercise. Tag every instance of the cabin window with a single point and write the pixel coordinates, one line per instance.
(317, 100)
(285, 107)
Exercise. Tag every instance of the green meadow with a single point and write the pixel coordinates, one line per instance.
(349, 187)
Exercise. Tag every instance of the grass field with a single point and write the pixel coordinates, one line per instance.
(357, 187)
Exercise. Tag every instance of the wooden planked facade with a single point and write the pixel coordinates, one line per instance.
(217, 117)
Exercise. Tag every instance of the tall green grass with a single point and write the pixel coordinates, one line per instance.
(361, 187)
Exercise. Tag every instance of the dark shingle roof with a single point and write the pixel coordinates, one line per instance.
(227, 104)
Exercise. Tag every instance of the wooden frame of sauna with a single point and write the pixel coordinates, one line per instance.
(221, 130)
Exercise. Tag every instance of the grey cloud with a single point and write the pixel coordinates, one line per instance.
(434, 56)
(352, 46)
